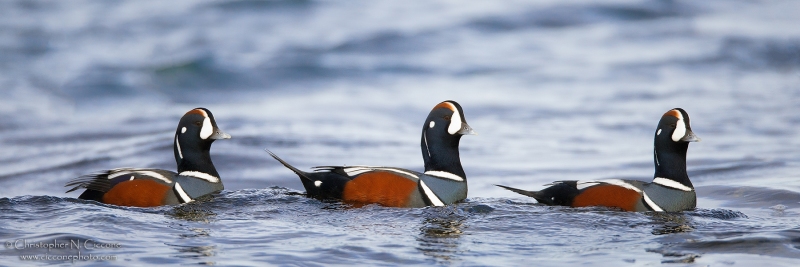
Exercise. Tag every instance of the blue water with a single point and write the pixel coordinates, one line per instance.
(557, 90)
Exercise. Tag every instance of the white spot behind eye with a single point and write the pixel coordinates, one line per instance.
(183, 130)
(317, 183)
(658, 132)
(432, 124)
(207, 129)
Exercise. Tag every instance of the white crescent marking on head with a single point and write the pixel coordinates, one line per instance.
(178, 145)
(182, 194)
(425, 138)
(207, 129)
(658, 132)
(445, 175)
(650, 203)
(434, 199)
(680, 129)
(455, 122)
(671, 184)
(655, 154)
(200, 175)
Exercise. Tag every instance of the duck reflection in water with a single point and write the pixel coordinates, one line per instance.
(674, 227)
(192, 212)
(440, 233)
(193, 241)
(671, 223)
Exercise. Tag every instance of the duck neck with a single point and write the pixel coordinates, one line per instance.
(441, 154)
(671, 163)
(194, 156)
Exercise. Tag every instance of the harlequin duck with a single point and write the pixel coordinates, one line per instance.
(443, 182)
(670, 189)
(196, 176)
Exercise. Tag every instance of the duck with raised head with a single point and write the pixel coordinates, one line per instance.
(139, 187)
(443, 182)
(670, 190)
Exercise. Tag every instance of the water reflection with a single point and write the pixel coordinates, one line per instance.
(192, 241)
(196, 251)
(193, 212)
(670, 223)
(440, 233)
(200, 252)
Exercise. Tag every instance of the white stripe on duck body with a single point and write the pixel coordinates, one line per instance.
(196, 176)
(443, 182)
(670, 190)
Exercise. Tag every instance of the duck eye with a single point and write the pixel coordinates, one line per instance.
(672, 125)
(200, 123)
(447, 117)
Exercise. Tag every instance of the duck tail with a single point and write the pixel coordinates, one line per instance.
(302, 174)
(532, 194)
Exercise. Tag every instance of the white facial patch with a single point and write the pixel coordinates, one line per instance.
(207, 129)
(183, 130)
(455, 122)
(317, 183)
(432, 124)
(658, 132)
(680, 129)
